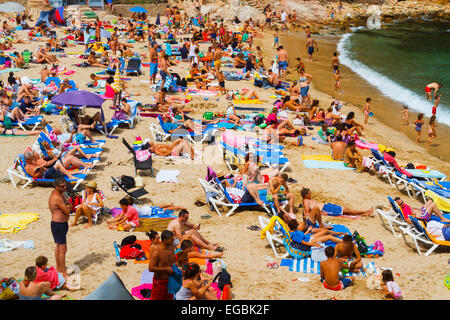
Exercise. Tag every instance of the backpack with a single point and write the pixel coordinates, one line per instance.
(128, 240)
(258, 83)
(223, 278)
(258, 119)
(7, 123)
(127, 182)
(182, 83)
(362, 246)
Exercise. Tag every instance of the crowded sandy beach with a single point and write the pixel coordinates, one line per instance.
(185, 155)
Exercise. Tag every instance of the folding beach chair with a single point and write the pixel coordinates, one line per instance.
(112, 71)
(139, 165)
(56, 80)
(275, 239)
(135, 194)
(18, 170)
(387, 170)
(134, 67)
(419, 234)
(135, 116)
(393, 217)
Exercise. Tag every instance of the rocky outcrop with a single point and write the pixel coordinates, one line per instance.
(226, 10)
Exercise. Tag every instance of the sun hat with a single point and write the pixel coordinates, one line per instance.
(92, 185)
(219, 173)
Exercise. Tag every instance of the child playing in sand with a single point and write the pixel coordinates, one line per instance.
(419, 124)
(432, 129)
(366, 109)
(390, 288)
(405, 117)
(127, 220)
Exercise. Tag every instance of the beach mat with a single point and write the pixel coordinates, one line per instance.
(318, 157)
(13, 223)
(247, 101)
(157, 224)
(249, 108)
(307, 265)
(334, 165)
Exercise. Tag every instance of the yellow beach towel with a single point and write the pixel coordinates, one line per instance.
(442, 203)
(247, 101)
(318, 157)
(12, 223)
(271, 225)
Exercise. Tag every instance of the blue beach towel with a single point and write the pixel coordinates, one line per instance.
(335, 165)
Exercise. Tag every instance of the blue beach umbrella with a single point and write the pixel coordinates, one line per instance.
(138, 10)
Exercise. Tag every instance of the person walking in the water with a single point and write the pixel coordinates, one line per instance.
(310, 43)
(432, 86)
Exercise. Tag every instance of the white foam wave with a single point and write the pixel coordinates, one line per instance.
(388, 87)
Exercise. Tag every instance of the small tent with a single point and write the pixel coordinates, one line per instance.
(112, 289)
(56, 15)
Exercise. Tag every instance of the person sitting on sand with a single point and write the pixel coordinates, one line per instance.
(239, 61)
(178, 148)
(273, 78)
(188, 247)
(182, 230)
(92, 61)
(425, 213)
(292, 105)
(347, 251)
(26, 89)
(351, 125)
(91, 204)
(277, 190)
(50, 275)
(352, 157)
(329, 272)
(193, 287)
(338, 148)
(127, 220)
(329, 208)
(30, 290)
(389, 288)
(38, 168)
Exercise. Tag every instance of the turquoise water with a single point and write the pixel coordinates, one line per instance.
(400, 60)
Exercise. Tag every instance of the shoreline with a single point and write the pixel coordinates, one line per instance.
(356, 89)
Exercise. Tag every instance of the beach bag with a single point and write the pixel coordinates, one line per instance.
(410, 166)
(127, 182)
(131, 252)
(75, 201)
(362, 246)
(143, 155)
(259, 119)
(223, 278)
(7, 123)
(258, 83)
(9, 289)
(318, 254)
(128, 240)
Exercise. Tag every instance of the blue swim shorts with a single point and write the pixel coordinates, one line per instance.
(333, 209)
(282, 65)
(153, 69)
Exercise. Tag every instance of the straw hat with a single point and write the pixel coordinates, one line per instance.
(92, 185)
(219, 173)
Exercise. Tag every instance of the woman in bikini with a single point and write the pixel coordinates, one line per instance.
(432, 129)
(91, 205)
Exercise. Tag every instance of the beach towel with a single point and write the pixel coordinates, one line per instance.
(12, 223)
(442, 203)
(7, 245)
(318, 157)
(316, 164)
(307, 265)
(143, 288)
(428, 174)
(247, 101)
(167, 176)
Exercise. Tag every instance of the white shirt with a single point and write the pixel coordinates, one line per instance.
(192, 50)
(283, 16)
(275, 68)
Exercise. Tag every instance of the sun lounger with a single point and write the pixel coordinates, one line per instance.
(223, 198)
(32, 123)
(86, 144)
(114, 123)
(159, 134)
(419, 234)
(18, 170)
(392, 218)
(134, 67)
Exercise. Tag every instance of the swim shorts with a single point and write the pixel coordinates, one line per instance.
(222, 84)
(283, 65)
(153, 69)
(163, 75)
(333, 209)
(304, 91)
(159, 290)
(269, 197)
(343, 283)
(433, 111)
(310, 50)
(59, 231)
(247, 197)
(52, 173)
(427, 89)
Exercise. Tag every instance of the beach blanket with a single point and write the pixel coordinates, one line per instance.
(167, 176)
(7, 245)
(247, 101)
(428, 174)
(249, 108)
(12, 223)
(323, 162)
(442, 203)
(307, 265)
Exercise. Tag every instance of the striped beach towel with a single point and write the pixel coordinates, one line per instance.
(307, 265)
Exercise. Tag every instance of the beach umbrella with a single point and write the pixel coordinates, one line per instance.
(11, 7)
(158, 22)
(78, 98)
(138, 10)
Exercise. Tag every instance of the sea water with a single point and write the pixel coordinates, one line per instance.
(400, 60)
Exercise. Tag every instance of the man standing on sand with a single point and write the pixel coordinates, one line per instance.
(310, 43)
(435, 86)
(161, 263)
(334, 62)
(282, 61)
(60, 208)
(217, 58)
(345, 250)
(153, 53)
(178, 226)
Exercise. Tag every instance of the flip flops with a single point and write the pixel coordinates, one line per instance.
(254, 228)
(273, 265)
(205, 216)
(199, 203)
(220, 249)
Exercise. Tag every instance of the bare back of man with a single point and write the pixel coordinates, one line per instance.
(338, 150)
